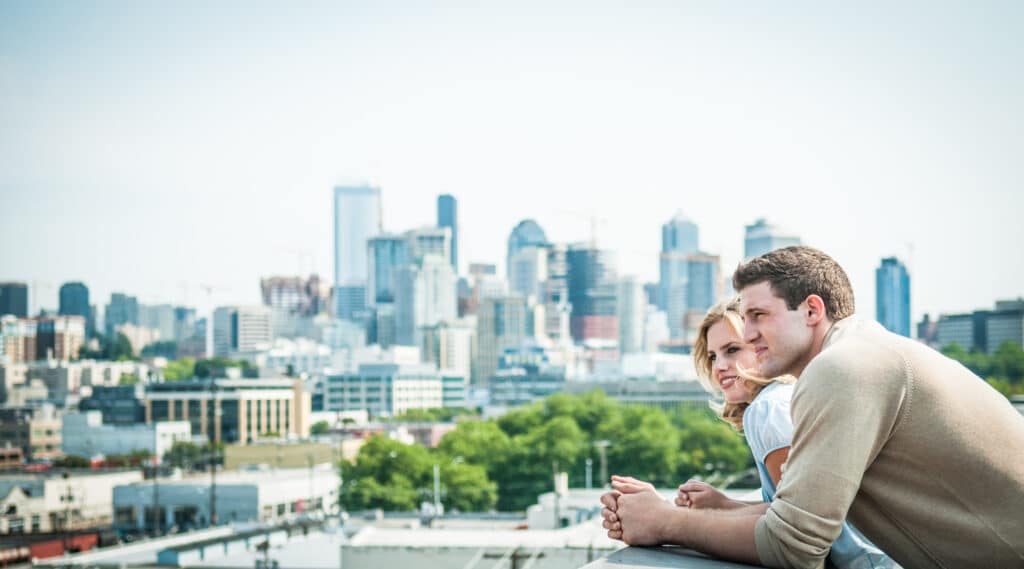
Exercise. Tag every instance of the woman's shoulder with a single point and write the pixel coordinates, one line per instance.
(773, 395)
(768, 416)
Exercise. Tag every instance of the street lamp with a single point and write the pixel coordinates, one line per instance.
(602, 445)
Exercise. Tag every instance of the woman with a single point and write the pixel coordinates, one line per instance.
(760, 409)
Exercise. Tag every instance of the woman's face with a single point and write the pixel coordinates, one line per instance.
(727, 349)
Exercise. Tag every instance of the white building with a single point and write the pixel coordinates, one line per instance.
(84, 434)
(241, 329)
(385, 389)
(297, 356)
(260, 495)
(450, 347)
(48, 502)
(631, 308)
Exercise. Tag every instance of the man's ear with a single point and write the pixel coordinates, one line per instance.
(814, 310)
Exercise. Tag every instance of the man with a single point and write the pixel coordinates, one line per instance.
(921, 455)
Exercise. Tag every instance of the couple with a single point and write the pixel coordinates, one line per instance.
(923, 457)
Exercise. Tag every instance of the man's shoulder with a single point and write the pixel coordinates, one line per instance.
(861, 357)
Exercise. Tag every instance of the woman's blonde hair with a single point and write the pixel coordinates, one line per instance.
(732, 413)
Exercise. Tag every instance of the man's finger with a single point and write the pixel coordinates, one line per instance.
(615, 535)
(609, 515)
(609, 500)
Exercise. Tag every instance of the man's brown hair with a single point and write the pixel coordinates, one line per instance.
(795, 273)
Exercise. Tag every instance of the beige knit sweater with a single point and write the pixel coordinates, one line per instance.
(921, 455)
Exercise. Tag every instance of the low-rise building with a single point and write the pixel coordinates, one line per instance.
(35, 430)
(983, 330)
(258, 495)
(119, 405)
(232, 410)
(86, 435)
(59, 501)
(385, 389)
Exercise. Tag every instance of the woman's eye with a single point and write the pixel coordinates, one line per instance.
(711, 357)
(732, 350)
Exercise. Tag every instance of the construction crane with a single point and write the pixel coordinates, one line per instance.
(592, 218)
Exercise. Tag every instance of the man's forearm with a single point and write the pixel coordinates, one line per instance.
(728, 534)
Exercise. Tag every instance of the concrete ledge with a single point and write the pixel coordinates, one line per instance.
(661, 557)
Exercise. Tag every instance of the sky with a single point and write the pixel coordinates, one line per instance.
(160, 148)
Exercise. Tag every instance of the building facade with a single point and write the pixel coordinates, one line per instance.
(232, 410)
(85, 434)
(241, 329)
(592, 284)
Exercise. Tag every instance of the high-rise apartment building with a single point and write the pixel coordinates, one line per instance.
(501, 323)
(424, 296)
(631, 311)
(387, 252)
(122, 309)
(527, 233)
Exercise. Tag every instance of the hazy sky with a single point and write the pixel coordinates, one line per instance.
(152, 147)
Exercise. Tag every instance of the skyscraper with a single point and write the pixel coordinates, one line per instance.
(357, 217)
(892, 296)
(592, 293)
(680, 238)
(632, 309)
(386, 253)
(501, 323)
(14, 299)
(448, 216)
(762, 237)
(424, 296)
(527, 233)
(74, 301)
(680, 235)
(122, 309)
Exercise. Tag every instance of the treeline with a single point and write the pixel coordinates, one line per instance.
(1003, 369)
(506, 463)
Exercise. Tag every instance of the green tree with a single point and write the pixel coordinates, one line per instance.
(709, 447)
(167, 349)
(177, 370)
(128, 379)
(72, 461)
(320, 428)
(387, 474)
(466, 487)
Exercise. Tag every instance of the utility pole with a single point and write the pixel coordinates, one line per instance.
(213, 452)
(156, 499)
(590, 472)
(437, 490)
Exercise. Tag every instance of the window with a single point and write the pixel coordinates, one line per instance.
(281, 509)
(35, 524)
(124, 515)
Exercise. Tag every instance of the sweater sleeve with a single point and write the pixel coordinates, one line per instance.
(845, 407)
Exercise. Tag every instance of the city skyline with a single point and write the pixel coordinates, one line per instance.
(202, 156)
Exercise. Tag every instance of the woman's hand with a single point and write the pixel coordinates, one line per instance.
(700, 495)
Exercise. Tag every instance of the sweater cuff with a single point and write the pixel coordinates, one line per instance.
(763, 542)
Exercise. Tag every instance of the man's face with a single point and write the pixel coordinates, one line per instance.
(781, 338)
